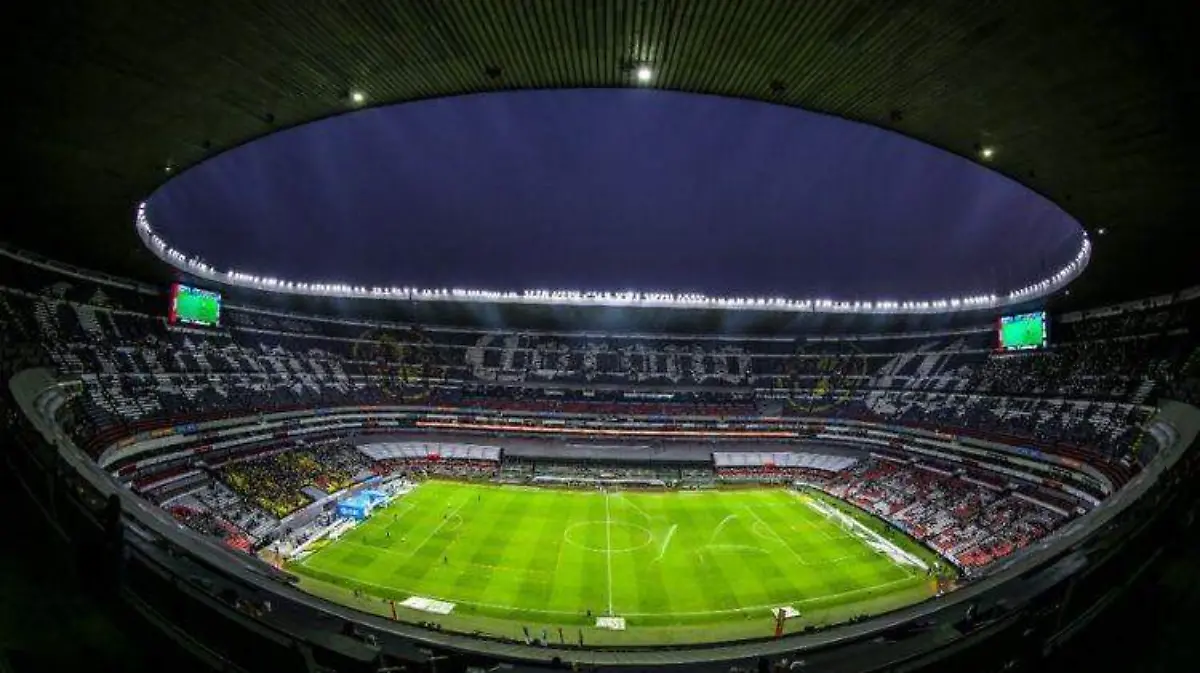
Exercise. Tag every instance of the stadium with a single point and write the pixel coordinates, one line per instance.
(631, 337)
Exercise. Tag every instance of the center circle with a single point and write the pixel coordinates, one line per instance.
(575, 531)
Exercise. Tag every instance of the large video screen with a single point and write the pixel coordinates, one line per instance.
(193, 306)
(1023, 332)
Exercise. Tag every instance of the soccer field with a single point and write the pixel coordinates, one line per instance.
(676, 566)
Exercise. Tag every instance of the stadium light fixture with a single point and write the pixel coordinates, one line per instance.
(644, 74)
(987, 153)
(1101, 231)
(358, 97)
(599, 298)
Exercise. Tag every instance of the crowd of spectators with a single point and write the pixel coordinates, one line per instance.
(134, 369)
(971, 521)
(214, 509)
(210, 523)
(1088, 396)
(1108, 429)
(722, 406)
(595, 472)
(770, 474)
(283, 482)
(424, 467)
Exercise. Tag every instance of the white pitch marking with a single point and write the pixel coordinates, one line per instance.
(386, 551)
(765, 532)
(717, 530)
(666, 542)
(743, 609)
(777, 536)
(749, 608)
(608, 550)
(568, 536)
(429, 537)
(732, 547)
(802, 601)
(867, 537)
(627, 501)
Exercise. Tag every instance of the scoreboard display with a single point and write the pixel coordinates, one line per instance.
(193, 306)
(1023, 332)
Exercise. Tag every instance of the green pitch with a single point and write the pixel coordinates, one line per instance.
(677, 566)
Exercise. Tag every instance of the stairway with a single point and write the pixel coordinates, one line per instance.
(473, 357)
(1143, 391)
(88, 321)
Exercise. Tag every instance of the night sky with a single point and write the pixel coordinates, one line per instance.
(613, 190)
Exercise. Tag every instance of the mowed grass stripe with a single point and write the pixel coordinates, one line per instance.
(633, 538)
(493, 567)
(654, 594)
(823, 579)
(591, 535)
(706, 586)
(661, 561)
(540, 559)
(539, 555)
(515, 539)
(747, 566)
(775, 565)
(575, 587)
(773, 521)
(844, 562)
(789, 550)
(732, 549)
(469, 563)
(430, 547)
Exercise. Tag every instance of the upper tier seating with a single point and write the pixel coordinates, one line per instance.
(965, 521)
(1087, 396)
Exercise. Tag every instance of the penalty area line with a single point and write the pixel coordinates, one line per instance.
(412, 552)
(778, 537)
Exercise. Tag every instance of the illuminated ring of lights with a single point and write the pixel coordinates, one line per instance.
(195, 267)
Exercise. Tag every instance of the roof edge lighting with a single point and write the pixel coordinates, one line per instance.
(195, 267)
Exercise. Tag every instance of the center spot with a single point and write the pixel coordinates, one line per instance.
(593, 536)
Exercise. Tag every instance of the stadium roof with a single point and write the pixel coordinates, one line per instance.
(1090, 104)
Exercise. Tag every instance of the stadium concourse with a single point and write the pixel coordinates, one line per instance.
(846, 475)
